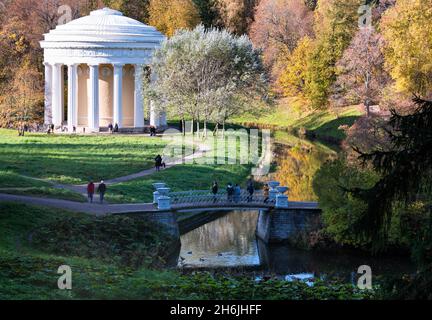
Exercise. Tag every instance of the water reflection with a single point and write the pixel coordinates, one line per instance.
(230, 241)
(297, 166)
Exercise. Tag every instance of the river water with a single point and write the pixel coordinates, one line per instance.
(230, 241)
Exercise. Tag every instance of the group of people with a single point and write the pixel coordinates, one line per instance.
(234, 192)
(112, 128)
(101, 189)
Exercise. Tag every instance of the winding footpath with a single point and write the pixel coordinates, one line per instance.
(82, 188)
(97, 208)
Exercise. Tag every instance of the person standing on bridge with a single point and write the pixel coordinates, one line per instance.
(266, 193)
(215, 189)
(250, 189)
(230, 192)
(90, 191)
(237, 193)
(101, 190)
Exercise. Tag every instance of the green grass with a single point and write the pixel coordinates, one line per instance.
(74, 159)
(179, 178)
(9, 179)
(35, 242)
(13, 183)
(45, 192)
(323, 123)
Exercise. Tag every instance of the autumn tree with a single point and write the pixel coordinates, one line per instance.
(23, 24)
(207, 11)
(135, 9)
(293, 78)
(336, 21)
(278, 26)
(170, 15)
(236, 15)
(24, 104)
(361, 75)
(406, 30)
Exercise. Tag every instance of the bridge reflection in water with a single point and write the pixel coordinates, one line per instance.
(230, 241)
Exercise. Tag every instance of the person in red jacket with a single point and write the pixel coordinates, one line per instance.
(90, 191)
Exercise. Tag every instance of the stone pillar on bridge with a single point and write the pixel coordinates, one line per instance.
(273, 190)
(281, 198)
(164, 201)
(156, 194)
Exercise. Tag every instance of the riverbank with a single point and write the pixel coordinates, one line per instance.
(323, 125)
(116, 260)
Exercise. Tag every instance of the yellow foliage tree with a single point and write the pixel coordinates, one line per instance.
(407, 30)
(292, 80)
(170, 15)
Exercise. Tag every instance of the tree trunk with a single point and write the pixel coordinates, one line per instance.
(223, 129)
(216, 129)
(192, 126)
(205, 129)
(183, 127)
(198, 129)
(367, 105)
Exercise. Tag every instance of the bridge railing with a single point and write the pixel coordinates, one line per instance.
(207, 197)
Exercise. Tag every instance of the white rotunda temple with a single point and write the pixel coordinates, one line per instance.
(104, 55)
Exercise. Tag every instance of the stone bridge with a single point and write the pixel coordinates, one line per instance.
(279, 219)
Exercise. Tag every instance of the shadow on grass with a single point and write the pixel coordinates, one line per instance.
(331, 129)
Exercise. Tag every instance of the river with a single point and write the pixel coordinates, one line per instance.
(230, 241)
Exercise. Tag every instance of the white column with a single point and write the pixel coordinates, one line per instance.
(118, 95)
(154, 114)
(72, 97)
(48, 94)
(57, 103)
(93, 104)
(139, 106)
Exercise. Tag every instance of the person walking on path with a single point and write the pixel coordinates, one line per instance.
(250, 189)
(237, 193)
(158, 162)
(215, 189)
(266, 193)
(90, 191)
(230, 192)
(101, 190)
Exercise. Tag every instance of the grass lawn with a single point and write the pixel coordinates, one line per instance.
(73, 159)
(13, 183)
(180, 178)
(35, 242)
(323, 123)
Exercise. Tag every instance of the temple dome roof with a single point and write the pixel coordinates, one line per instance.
(104, 27)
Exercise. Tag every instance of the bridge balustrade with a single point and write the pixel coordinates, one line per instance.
(201, 197)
